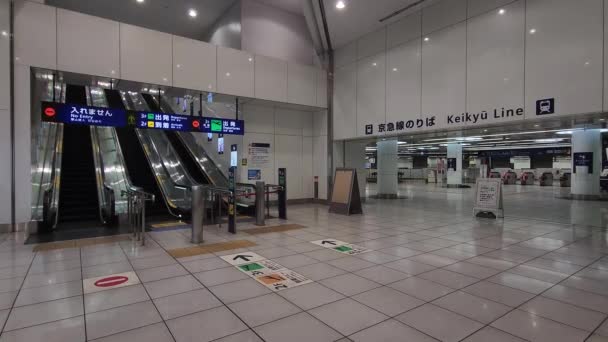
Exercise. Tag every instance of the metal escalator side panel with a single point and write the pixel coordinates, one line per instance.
(202, 159)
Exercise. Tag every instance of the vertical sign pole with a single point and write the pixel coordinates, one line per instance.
(231, 200)
(283, 193)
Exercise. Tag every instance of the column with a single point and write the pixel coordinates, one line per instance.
(586, 173)
(354, 157)
(387, 168)
(5, 116)
(454, 169)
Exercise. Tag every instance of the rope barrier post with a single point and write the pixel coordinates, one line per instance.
(283, 193)
(198, 212)
(231, 200)
(143, 221)
(260, 188)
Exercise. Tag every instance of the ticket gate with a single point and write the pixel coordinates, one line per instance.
(546, 179)
(509, 178)
(564, 180)
(527, 178)
(494, 174)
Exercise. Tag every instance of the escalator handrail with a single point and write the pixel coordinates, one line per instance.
(51, 195)
(104, 189)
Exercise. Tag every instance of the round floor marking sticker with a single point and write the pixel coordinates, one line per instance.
(111, 281)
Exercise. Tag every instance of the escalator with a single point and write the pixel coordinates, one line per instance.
(185, 157)
(138, 168)
(78, 201)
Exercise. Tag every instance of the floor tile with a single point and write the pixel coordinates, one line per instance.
(93, 260)
(400, 251)
(421, 288)
(378, 257)
(587, 284)
(325, 254)
(55, 266)
(556, 266)
(292, 261)
(347, 316)
(498, 264)
(520, 282)
(220, 276)
(301, 327)
(103, 300)
(162, 272)
(155, 261)
(151, 333)
(71, 329)
(388, 301)
(390, 331)
(7, 299)
(409, 266)
(472, 270)
(319, 271)
(244, 336)
(349, 284)
(186, 303)
(44, 279)
(207, 264)
(564, 313)
(40, 313)
(106, 269)
(206, 325)
(577, 297)
(351, 264)
(538, 273)
(263, 309)
(536, 328)
(498, 293)
(476, 308)
(489, 334)
(240, 290)
(433, 260)
(108, 322)
(275, 252)
(448, 278)
(48, 293)
(381, 274)
(310, 295)
(597, 338)
(10, 285)
(439, 323)
(170, 286)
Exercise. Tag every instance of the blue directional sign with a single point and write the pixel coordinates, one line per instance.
(83, 115)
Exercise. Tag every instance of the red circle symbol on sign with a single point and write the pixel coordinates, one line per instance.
(111, 281)
(49, 111)
(196, 123)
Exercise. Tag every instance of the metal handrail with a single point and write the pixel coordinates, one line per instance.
(104, 190)
(136, 212)
(50, 209)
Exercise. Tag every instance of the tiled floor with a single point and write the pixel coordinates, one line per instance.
(435, 274)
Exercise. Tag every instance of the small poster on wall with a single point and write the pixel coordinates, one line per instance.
(451, 164)
(254, 174)
(220, 145)
(583, 162)
(259, 155)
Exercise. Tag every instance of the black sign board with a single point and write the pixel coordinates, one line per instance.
(452, 164)
(114, 117)
(545, 106)
(582, 159)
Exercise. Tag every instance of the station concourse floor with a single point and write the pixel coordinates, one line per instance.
(435, 273)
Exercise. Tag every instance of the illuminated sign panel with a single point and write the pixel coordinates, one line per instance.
(97, 116)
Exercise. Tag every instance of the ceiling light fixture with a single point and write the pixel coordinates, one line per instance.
(501, 11)
(192, 13)
(533, 31)
(140, 1)
(340, 5)
(4, 33)
(426, 39)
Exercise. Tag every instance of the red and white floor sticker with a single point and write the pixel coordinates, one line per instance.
(109, 282)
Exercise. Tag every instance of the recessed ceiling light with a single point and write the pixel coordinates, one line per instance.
(192, 12)
(532, 31)
(602, 119)
(340, 5)
(501, 11)
(140, 1)
(395, 69)
(374, 64)
(4, 33)
(537, 125)
(426, 39)
(251, 59)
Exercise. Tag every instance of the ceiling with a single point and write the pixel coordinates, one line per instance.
(362, 16)
(293, 6)
(170, 16)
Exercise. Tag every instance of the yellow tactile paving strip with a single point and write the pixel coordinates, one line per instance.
(167, 224)
(210, 248)
(273, 229)
(49, 246)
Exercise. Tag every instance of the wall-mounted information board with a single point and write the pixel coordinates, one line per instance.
(97, 116)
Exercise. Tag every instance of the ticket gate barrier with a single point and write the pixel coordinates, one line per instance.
(527, 178)
(494, 174)
(564, 180)
(546, 179)
(509, 178)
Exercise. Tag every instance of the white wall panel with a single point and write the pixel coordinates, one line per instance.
(307, 124)
(5, 59)
(319, 122)
(307, 168)
(35, 35)
(477, 7)
(259, 119)
(321, 88)
(5, 168)
(194, 64)
(145, 55)
(443, 14)
(288, 121)
(495, 64)
(23, 124)
(345, 105)
(404, 30)
(403, 82)
(371, 44)
(320, 163)
(235, 72)
(605, 57)
(301, 84)
(564, 55)
(288, 154)
(444, 74)
(270, 79)
(371, 92)
(87, 44)
(345, 55)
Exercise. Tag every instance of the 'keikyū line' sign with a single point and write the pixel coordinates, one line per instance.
(115, 117)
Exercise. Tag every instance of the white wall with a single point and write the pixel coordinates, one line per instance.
(226, 31)
(460, 57)
(5, 106)
(270, 31)
(136, 54)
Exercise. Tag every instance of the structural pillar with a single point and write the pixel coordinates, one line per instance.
(454, 165)
(586, 163)
(387, 168)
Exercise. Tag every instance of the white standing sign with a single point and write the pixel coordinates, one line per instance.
(488, 196)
